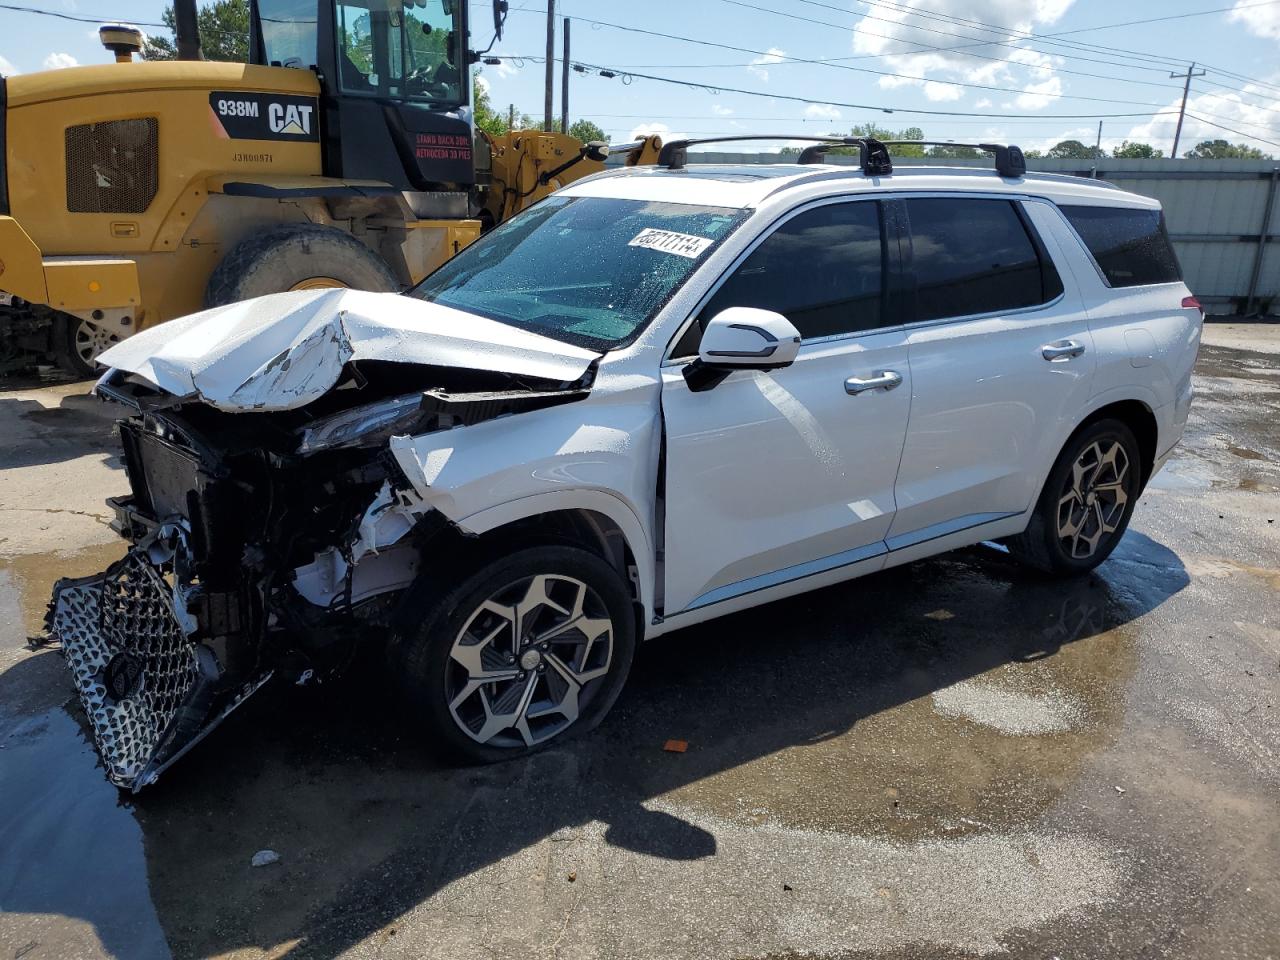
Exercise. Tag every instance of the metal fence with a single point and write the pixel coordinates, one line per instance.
(1221, 216)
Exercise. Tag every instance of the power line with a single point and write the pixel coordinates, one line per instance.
(719, 88)
(938, 49)
(1272, 143)
(839, 66)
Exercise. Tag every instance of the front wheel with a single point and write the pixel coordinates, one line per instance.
(529, 649)
(1086, 503)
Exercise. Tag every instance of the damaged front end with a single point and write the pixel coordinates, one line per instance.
(249, 556)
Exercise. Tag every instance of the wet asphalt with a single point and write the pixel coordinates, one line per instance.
(952, 759)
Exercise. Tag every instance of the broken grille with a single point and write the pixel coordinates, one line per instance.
(134, 668)
(113, 167)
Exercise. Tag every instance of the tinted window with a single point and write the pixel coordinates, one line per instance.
(1131, 246)
(823, 270)
(587, 270)
(974, 256)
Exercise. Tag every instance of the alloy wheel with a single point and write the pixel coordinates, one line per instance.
(1092, 506)
(91, 339)
(528, 660)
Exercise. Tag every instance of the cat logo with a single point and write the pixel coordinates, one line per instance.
(289, 119)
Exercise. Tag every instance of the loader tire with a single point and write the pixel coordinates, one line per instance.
(296, 256)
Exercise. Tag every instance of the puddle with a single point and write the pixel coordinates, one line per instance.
(74, 857)
(27, 580)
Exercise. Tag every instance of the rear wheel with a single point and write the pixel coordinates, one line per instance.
(78, 342)
(1086, 503)
(296, 256)
(529, 649)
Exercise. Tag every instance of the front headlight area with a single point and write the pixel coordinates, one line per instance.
(365, 426)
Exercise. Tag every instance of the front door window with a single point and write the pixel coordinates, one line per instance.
(404, 52)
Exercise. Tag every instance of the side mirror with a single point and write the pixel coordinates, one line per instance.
(746, 337)
(742, 338)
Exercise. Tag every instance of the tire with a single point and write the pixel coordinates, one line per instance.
(77, 343)
(296, 256)
(434, 682)
(1082, 513)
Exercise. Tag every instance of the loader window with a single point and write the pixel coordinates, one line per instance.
(402, 51)
(590, 271)
(288, 32)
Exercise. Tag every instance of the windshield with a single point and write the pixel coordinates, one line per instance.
(585, 270)
(407, 51)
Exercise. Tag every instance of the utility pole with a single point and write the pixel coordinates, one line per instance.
(1097, 152)
(547, 105)
(1186, 88)
(511, 117)
(564, 80)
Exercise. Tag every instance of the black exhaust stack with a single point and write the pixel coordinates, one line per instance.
(186, 30)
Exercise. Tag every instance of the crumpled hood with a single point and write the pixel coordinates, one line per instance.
(285, 350)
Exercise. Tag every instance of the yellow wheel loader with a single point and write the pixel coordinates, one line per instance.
(344, 154)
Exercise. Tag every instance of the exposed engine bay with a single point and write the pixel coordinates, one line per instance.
(255, 542)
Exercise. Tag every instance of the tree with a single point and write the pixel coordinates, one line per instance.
(1073, 150)
(1222, 150)
(224, 33)
(954, 152)
(584, 131)
(879, 133)
(1136, 151)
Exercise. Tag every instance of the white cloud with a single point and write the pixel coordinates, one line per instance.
(757, 67)
(7, 69)
(505, 70)
(1252, 117)
(60, 61)
(661, 129)
(720, 110)
(1037, 96)
(942, 91)
(907, 46)
(1264, 21)
(821, 111)
(982, 104)
(483, 83)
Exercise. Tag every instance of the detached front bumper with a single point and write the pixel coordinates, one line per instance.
(150, 689)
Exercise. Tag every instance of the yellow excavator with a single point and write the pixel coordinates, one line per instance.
(344, 154)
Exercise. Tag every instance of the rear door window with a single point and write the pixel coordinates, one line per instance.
(1131, 246)
(975, 256)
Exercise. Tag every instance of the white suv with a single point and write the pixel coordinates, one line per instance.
(659, 396)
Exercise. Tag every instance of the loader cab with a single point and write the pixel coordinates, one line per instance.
(395, 85)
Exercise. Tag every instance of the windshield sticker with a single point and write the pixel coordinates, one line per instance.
(681, 244)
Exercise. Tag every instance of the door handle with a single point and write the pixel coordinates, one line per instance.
(885, 380)
(1061, 350)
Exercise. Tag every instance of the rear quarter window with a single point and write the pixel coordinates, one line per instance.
(1131, 246)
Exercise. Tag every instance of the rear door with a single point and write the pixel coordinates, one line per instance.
(1001, 361)
(772, 476)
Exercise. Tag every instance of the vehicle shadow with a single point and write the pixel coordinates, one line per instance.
(36, 435)
(369, 827)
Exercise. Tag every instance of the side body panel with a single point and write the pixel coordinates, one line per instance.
(1146, 340)
(988, 413)
(779, 474)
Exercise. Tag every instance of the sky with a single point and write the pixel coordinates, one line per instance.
(1031, 72)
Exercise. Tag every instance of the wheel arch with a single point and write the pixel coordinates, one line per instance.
(1140, 419)
(597, 521)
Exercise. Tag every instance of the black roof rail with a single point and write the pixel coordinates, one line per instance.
(872, 155)
(1009, 159)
